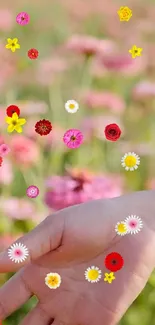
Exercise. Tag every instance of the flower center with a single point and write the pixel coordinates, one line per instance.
(52, 280)
(113, 262)
(121, 228)
(14, 123)
(13, 44)
(112, 132)
(93, 274)
(130, 161)
(71, 106)
(73, 138)
(22, 18)
(132, 224)
(18, 252)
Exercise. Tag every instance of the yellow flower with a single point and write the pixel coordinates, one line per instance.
(15, 123)
(135, 51)
(109, 277)
(121, 228)
(53, 280)
(130, 161)
(93, 274)
(124, 13)
(12, 44)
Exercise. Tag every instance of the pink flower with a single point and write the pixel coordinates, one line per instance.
(144, 90)
(4, 149)
(75, 189)
(29, 108)
(15, 208)
(6, 173)
(24, 150)
(112, 101)
(32, 191)
(73, 138)
(88, 45)
(6, 20)
(23, 18)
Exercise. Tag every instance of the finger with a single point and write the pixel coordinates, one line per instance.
(37, 316)
(44, 238)
(13, 294)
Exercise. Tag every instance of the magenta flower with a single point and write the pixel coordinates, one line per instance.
(4, 149)
(22, 18)
(32, 191)
(73, 138)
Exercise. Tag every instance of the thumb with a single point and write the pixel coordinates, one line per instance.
(47, 236)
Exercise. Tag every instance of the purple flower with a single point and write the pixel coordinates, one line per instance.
(23, 18)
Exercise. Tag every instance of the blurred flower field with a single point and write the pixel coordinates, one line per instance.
(83, 55)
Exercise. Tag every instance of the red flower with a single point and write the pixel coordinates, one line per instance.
(1, 160)
(112, 132)
(12, 109)
(43, 127)
(114, 262)
(33, 54)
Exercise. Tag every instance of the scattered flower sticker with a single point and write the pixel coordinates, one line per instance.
(112, 132)
(93, 274)
(12, 44)
(12, 109)
(43, 127)
(15, 123)
(53, 280)
(4, 149)
(71, 106)
(32, 191)
(109, 277)
(130, 161)
(134, 224)
(22, 18)
(121, 228)
(33, 54)
(73, 138)
(124, 13)
(18, 253)
(135, 51)
(114, 262)
(1, 161)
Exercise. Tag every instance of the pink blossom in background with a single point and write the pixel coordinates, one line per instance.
(6, 20)
(29, 108)
(8, 68)
(6, 173)
(88, 45)
(144, 90)
(97, 99)
(7, 240)
(64, 191)
(49, 68)
(23, 150)
(16, 208)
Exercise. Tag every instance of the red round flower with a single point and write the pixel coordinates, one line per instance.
(112, 132)
(1, 160)
(114, 262)
(33, 54)
(12, 109)
(43, 127)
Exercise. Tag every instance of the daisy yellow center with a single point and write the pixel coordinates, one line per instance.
(52, 280)
(93, 274)
(121, 228)
(130, 161)
(71, 106)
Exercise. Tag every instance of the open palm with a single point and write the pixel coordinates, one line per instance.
(68, 243)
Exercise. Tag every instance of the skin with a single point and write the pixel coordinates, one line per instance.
(70, 241)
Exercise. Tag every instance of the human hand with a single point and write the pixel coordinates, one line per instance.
(70, 241)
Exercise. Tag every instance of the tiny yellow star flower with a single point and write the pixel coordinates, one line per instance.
(15, 123)
(135, 51)
(109, 277)
(124, 13)
(12, 44)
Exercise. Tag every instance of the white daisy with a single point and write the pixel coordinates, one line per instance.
(93, 274)
(18, 252)
(130, 161)
(71, 106)
(53, 280)
(121, 228)
(134, 224)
